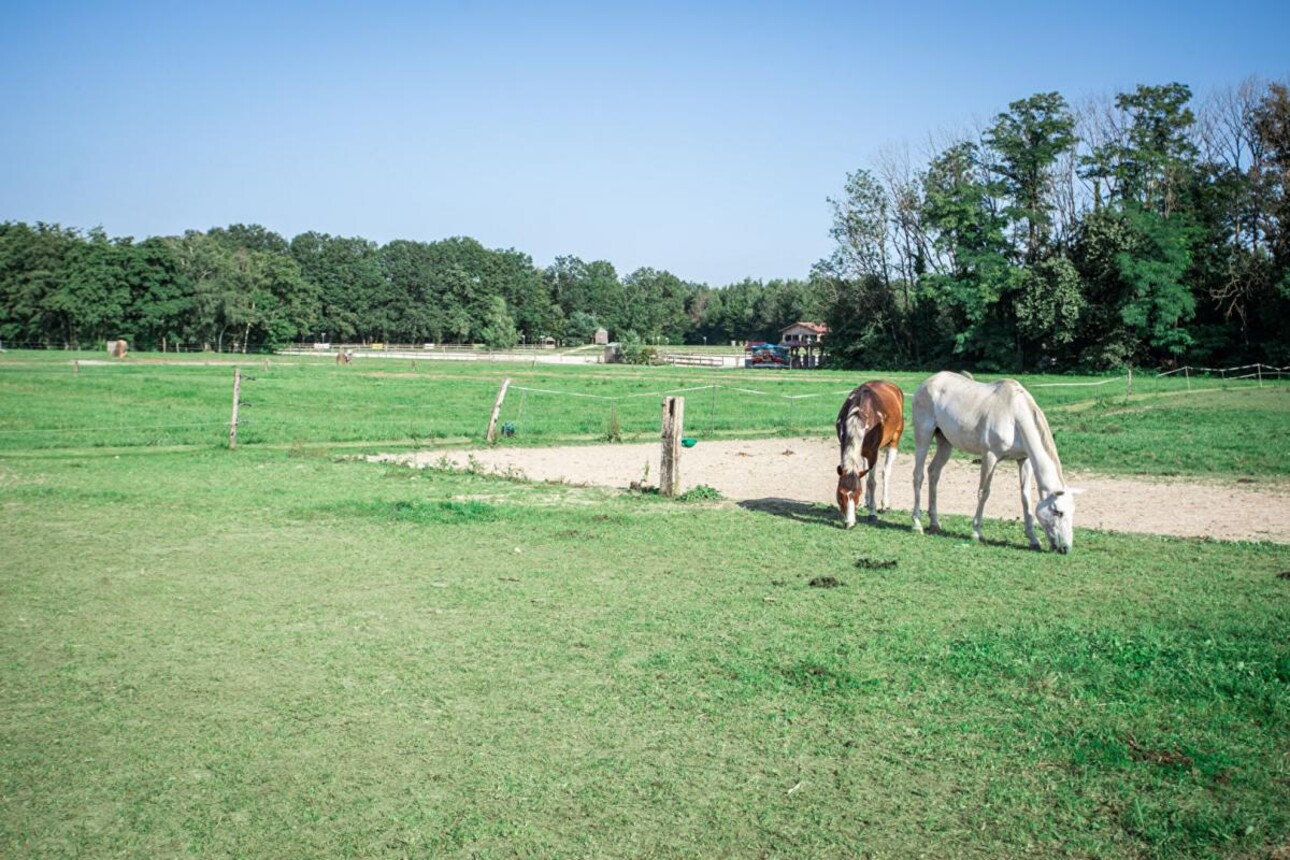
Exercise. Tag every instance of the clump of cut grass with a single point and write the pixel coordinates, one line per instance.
(701, 493)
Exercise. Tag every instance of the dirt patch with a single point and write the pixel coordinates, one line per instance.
(1138, 752)
(756, 470)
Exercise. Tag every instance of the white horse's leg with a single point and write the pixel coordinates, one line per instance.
(921, 443)
(1027, 478)
(886, 478)
(988, 462)
(943, 451)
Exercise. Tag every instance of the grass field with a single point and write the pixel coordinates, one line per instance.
(1170, 426)
(287, 651)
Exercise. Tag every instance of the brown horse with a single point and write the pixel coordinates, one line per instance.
(870, 421)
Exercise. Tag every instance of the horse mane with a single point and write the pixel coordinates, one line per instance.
(1046, 436)
(852, 442)
(852, 436)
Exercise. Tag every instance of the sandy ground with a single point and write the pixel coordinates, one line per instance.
(784, 471)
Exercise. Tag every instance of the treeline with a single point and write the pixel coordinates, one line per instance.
(1140, 229)
(245, 287)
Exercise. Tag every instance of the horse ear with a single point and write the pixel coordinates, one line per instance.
(839, 471)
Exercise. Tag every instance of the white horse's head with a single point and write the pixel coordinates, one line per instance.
(1056, 513)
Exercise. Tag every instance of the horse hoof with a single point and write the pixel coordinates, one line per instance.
(1036, 547)
(873, 519)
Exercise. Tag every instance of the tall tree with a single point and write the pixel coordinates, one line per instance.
(1149, 160)
(33, 262)
(353, 290)
(1027, 142)
(976, 289)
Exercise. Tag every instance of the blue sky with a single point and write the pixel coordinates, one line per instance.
(701, 138)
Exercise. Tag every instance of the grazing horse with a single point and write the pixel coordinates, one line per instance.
(996, 421)
(871, 420)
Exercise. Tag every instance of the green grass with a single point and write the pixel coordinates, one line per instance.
(284, 653)
(1235, 428)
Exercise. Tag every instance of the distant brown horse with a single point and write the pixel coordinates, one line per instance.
(870, 421)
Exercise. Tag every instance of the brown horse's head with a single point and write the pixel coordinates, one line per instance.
(859, 415)
(849, 494)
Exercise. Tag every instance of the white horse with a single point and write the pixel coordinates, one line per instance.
(996, 421)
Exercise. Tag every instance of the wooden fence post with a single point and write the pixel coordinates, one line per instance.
(1129, 392)
(237, 395)
(1187, 373)
(669, 479)
(76, 366)
(497, 408)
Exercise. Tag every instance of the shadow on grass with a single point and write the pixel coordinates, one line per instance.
(816, 514)
(827, 515)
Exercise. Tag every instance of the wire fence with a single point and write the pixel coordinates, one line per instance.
(283, 403)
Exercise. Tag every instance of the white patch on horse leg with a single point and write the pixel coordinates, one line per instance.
(887, 468)
(869, 485)
(851, 510)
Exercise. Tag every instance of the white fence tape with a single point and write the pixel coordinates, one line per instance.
(1078, 384)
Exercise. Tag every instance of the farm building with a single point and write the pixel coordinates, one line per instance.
(803, 334)
(804, 342)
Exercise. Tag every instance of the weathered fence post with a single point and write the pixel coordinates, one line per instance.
(1129, 392)
(497, 408)
(76, 365)
(669, 479)
(1258, 368)
(1187, 373)
(237, 396)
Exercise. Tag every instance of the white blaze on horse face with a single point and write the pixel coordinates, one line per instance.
(1056, 513)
